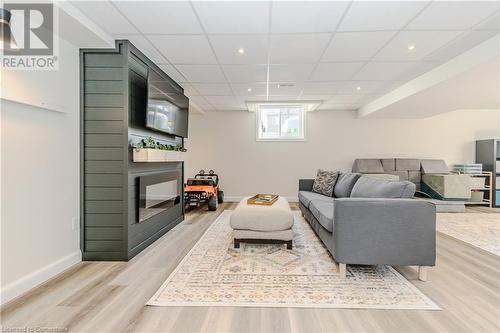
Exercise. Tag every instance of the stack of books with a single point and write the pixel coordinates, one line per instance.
(468, 168)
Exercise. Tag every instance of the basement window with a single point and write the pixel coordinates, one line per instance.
(280, 122)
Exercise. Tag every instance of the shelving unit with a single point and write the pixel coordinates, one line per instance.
(488, 154)
(487, 189)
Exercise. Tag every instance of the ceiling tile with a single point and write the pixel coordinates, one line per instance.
(376, 15)
(315, 97)
(184, 49)
(338, 106)
(202, 73)
(221, 100)
(290, 73)
(356, 46)
(335, 71)
(226, 48)
(172, 72)
(245, 73)
(233, 17)
(144, 46)
(242, 100)
(424, 42)
(230, 107)
(294, 90)
(323, 88)
(106, 16)
(383, 71)
(453, 15)
(299, 48)
(213, 88)
(161, 17)
(241, 89)
(344, 99)
(366, 87)
(291, 16)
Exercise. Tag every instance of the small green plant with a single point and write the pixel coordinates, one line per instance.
(150, 143)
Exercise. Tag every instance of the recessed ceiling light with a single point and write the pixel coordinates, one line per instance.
(249, 89)
(358, 88)
(241, 50)
(411, 47)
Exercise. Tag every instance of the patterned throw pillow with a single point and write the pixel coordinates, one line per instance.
(325, 182)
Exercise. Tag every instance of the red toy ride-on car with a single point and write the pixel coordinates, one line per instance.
(203, 189)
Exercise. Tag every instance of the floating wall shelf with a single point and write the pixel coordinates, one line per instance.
(158, 155)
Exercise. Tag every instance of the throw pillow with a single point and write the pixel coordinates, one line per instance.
(325, 182)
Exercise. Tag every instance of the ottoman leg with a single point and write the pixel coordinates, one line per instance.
(236, 243)
(289, 245)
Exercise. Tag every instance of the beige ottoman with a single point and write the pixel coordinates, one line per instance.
(262, 224)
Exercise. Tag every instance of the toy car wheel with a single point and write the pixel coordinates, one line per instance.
(220, 196)
(212, 203)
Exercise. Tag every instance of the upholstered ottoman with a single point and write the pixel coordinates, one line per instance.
(262, 224)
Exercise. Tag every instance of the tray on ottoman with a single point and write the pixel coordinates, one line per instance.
(263, 199)
(262, 223)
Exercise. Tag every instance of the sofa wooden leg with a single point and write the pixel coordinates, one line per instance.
(343, 270)
(422, 273)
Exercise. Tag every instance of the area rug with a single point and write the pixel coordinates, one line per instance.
(216, 274)
(480, 230)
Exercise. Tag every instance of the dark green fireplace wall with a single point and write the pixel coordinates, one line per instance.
(108, 228)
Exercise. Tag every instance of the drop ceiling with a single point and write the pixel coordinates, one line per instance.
(343, 53)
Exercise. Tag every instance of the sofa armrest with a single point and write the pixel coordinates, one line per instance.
(384, 231)
(306, 184)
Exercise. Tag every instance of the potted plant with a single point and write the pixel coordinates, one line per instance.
(149, 150)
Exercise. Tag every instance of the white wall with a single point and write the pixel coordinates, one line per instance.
(40, 177)
(225, 142)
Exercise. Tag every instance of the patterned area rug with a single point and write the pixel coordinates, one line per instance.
(216, 274)
(480, 230)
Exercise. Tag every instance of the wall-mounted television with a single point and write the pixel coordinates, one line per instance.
(167, 108)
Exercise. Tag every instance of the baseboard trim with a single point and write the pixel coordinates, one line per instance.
(36, 278)
(238, 199)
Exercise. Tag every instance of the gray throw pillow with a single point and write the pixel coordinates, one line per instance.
(325, 182)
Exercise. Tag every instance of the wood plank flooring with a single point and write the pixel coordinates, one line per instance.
(110, 296)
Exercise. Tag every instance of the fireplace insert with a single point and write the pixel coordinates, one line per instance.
(158, 193)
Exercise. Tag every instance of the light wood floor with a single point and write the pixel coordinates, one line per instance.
(110, 296)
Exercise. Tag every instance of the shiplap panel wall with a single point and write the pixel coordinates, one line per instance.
(105, 156)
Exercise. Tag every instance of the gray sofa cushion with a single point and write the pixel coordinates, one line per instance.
(323, 212)
(344, 184)
(368, 165)
(305, 197)
(324, 182)
(434, 167)
(367, 187)
(407, 164)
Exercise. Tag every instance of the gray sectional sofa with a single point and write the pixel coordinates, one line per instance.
(371, 221)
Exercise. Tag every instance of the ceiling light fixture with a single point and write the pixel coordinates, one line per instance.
(358, 88)
(411, 47)
(249, 89)
(241, 50)
(7, 41)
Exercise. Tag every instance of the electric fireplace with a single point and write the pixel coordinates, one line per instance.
(158, 193)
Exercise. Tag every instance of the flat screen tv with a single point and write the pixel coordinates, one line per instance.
(167, 107)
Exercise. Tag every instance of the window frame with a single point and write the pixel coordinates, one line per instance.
(258, 119)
